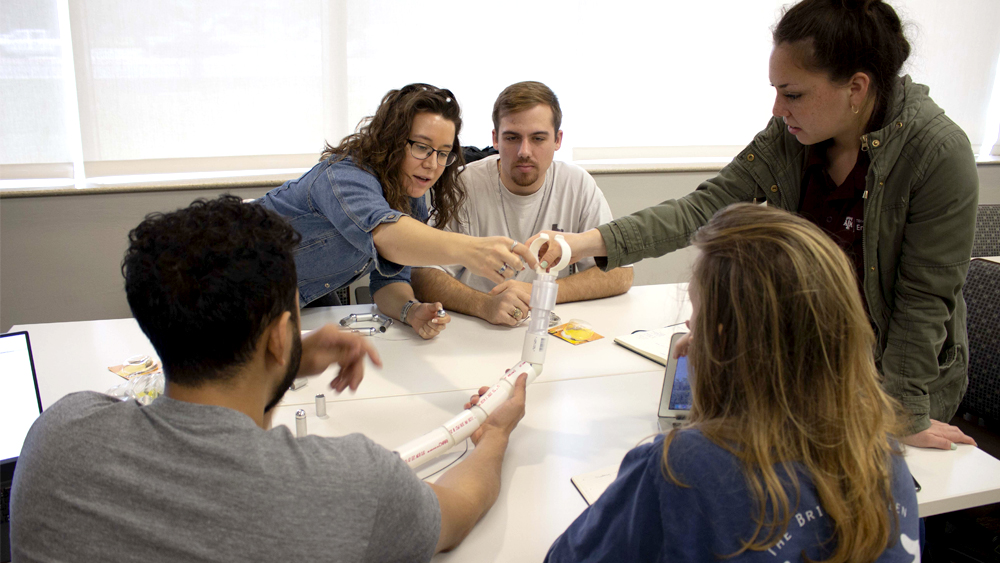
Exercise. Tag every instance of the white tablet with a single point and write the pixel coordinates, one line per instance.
(675, 399)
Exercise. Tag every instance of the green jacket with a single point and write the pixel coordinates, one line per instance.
(919, 213)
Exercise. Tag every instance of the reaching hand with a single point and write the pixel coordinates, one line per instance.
(506, 416)
(939, 435)
(551, 254)
(328, 345)
(424, 320)
(497, 258)
(508, 303)
(681, 348)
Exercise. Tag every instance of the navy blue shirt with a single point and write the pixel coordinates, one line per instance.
(644, 517)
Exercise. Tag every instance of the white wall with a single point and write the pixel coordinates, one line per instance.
(60, 255)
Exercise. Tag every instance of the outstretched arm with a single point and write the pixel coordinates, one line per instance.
(468, 490)
(431, 284)
(412, 243)
(328, 345)
(587, 244)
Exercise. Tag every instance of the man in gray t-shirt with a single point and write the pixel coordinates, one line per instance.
(197, 475)
(516, 194)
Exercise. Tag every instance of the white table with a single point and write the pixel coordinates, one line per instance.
(591, 404)
(468, 354)
(954, 480)
(570, 427)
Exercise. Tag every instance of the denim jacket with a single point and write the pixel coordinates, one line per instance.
(922, 191)
(335, 207)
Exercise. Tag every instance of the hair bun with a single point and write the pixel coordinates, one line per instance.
(859, 5)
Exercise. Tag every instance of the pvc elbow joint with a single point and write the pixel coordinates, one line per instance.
(544, 291)
(438, 441)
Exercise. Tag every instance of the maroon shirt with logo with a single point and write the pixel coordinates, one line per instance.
(838, 210)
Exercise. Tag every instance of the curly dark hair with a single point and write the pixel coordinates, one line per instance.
(205, 281)
(379, 146)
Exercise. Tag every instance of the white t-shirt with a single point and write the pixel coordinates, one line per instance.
(569, 200)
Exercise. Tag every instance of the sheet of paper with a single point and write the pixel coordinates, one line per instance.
(592, 485)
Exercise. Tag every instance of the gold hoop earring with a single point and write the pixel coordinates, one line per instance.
(855, 109)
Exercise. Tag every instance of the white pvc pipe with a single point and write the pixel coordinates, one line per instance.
(543, 299)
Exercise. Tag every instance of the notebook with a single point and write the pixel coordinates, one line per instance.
(20, 405)
(653, 344)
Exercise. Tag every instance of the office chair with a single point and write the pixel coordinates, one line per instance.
(344, 294)
(973, 535)
(982, 297)
(987, 237)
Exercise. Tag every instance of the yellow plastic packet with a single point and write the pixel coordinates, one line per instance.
(575, 332)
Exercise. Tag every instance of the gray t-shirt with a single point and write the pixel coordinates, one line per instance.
(568, 200)
(104, 480)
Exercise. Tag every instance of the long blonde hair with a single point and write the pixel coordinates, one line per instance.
(783, 373)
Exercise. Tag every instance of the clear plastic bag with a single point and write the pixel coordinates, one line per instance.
(143, 388)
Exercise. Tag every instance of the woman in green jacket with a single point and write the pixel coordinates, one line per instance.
(870, 158)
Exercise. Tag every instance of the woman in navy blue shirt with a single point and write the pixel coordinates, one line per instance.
(789, 452)
(362, 210)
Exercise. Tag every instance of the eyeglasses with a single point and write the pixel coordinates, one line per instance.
(421, 151)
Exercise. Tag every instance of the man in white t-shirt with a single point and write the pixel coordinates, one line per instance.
(518, 193)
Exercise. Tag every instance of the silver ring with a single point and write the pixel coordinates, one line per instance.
(502, 270)
(517, 313)
(513, 245)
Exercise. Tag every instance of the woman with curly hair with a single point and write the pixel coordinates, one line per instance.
(361, 210)
(790, 452)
